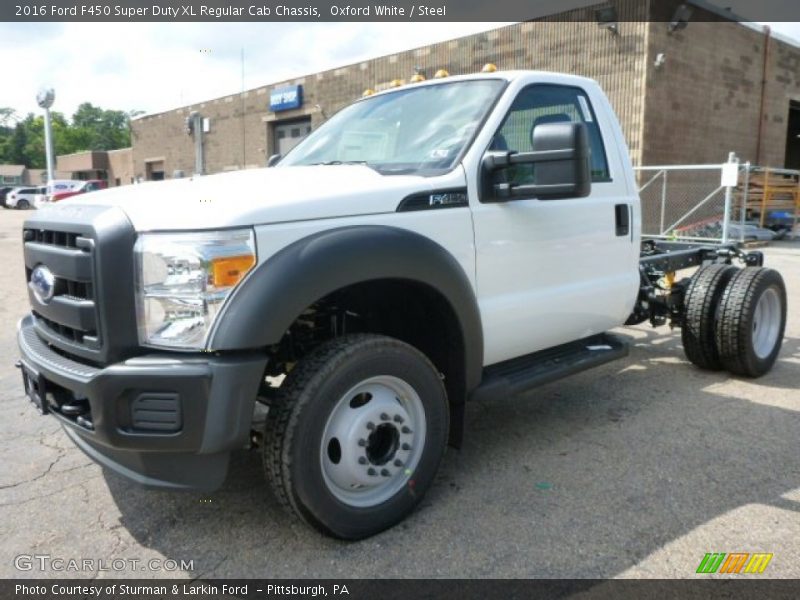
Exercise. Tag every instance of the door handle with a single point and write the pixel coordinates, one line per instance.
(622, 217)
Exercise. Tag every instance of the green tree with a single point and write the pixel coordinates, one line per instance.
(34, 149)
(7, 130)
(8, 117)
(91, 128)
(15, 146)
(102, 129)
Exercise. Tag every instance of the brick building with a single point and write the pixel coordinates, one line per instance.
(115, 166)
(685, 94)
(19, 175)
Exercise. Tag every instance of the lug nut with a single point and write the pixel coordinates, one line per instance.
(398, 463)
(405, 429)
(371, 472)
(362, 442)
(385, 472)
(398, 419)
(384, 417)
(362, 460)
(406, 447)
(370, 425)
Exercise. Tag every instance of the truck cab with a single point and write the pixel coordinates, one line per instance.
(459, 238)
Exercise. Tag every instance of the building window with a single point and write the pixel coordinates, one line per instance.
(154, 170)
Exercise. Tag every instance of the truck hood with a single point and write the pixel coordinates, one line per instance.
(258, 196)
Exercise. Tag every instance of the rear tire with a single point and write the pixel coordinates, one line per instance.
(23, 205)
(700, 315)
(355, 435)
(752, 320)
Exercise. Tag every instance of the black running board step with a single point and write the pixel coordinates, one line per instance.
(521, 374)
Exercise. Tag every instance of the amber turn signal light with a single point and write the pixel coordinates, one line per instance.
(229, 270)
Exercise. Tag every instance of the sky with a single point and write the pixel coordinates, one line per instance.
(153, 67)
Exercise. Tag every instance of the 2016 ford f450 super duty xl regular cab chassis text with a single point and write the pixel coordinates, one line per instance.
(468, 237)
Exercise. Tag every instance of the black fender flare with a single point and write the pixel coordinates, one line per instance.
(261, 309)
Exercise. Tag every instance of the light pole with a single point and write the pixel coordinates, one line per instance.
(45, 99)
(194, 127)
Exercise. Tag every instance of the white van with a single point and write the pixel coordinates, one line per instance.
(57, 186)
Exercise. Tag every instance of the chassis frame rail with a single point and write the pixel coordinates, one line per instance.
(660, 295)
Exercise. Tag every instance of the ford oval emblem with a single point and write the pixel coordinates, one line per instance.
(43, 283)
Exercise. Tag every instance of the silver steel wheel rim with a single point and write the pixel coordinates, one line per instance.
(766, 323)
(373, 441)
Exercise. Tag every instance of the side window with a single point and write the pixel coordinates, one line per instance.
(544, 103)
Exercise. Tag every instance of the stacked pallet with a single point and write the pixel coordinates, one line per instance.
(772, 191)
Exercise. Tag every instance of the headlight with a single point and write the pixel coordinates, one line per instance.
(182, 280)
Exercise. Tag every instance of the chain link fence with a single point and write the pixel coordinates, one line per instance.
(729, 202)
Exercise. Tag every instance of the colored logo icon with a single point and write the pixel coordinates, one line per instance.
(734, 562)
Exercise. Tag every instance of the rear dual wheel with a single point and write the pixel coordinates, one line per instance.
(734, 319)
(752, 320)
(700, 317)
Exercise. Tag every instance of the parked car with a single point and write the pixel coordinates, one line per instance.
(24, 198)
(3, 193)
(60, 186)
(82, 187)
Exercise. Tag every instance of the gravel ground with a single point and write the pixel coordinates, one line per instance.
(636, 469)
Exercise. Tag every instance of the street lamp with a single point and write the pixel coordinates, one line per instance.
(45, 99)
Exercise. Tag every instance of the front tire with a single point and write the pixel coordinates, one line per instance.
(355, 435)
(752, 321)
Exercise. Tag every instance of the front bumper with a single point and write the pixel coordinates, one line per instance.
(162, 420)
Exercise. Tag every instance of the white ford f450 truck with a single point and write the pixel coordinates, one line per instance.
(461, 238)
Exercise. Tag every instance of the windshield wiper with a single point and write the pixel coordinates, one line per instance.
(339, 162)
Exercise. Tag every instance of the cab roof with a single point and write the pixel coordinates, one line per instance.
(509, 76)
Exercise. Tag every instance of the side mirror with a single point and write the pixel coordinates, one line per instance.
(560, 160)
(273, 160)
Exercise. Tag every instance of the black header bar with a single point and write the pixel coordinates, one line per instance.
(399, 589)
(390, 10)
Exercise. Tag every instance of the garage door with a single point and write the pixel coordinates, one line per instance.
(288, 135)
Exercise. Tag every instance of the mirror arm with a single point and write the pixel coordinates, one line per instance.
(507, 190)
(500, 160)
(521, 158)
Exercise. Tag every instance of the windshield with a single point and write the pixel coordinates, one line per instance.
(420, 130)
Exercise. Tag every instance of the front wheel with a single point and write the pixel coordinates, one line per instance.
(23, 205)
(355, 435)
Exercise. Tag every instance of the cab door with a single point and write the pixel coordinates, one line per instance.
(554, 271)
